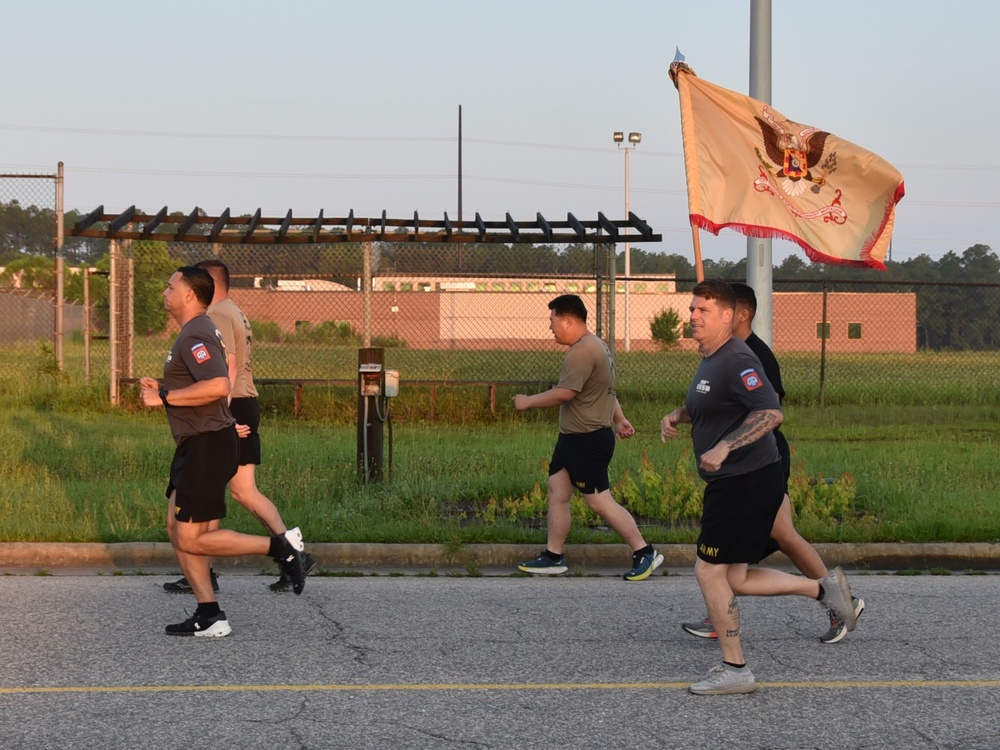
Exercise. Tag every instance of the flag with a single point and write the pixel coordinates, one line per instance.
(751, 169)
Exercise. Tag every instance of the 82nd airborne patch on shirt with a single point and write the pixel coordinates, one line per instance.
(751, 380)
(200, 352)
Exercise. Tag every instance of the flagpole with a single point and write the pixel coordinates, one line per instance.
(760, 263)
(699, 269)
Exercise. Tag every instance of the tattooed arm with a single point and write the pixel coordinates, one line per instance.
(753, 428)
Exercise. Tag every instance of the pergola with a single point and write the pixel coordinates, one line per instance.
(197, 226)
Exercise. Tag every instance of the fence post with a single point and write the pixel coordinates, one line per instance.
(113, 325)
(366, 291)
(822, 350)
(58, 320)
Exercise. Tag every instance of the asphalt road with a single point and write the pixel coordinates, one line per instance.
(489, 662)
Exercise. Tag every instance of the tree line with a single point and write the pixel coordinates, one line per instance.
(958, 294)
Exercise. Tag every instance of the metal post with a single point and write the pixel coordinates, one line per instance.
(628, 266)
(58, 319)
(86, 325)
(609, 254)
(822, 351)
(113, 325)
(760, 264)
(366, 293)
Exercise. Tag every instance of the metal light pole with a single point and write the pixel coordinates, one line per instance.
(633, 141)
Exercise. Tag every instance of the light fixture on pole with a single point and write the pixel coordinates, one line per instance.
(633, 140)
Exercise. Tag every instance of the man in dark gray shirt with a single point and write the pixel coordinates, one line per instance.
(733, 410)
(194, 393)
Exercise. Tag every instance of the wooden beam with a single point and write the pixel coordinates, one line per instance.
(544, 226)
(153, 223)
(187, 224)
(317, 226)
(605, 223)
(416, 225)
(219, 225)
(382, 227)
(254, 221)
(283, 229)
(574, 222)
(515, 230)
(637, 223)
(480, 226)
(120, 221)
(349, 224)
(89, 220)
(447, 225)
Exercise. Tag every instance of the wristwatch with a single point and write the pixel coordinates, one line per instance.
(163, 397)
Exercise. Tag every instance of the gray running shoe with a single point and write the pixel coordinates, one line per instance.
(837, 596)
(725, 680)
(702, 629)
(838, 628)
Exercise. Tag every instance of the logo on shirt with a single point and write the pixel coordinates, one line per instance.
(751, 380)
(200, 352)
(703, 387)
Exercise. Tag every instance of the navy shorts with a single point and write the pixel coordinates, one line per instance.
(586, 457)
(739, 514)
(202, 467)
(247, 411)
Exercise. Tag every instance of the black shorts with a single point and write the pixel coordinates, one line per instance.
(202, 467)
(739, 514)
(247, 411)
(586, 457)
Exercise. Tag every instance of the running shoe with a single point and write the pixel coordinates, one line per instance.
(837, 596)
(544, 565)
(290, 559)
(701, 629)
(284, 583)
(838, 628)
(183, 587)
(725, 680)
(643, 565)
(203, 627)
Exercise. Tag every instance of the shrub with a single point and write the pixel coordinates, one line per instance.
(266, 330)
(666, 328)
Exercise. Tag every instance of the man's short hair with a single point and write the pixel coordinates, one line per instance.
(745, 297)
(200, 282)
(722, 292)
(218, 269)
(569, 305)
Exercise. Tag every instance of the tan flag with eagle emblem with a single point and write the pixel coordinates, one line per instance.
(751, 169)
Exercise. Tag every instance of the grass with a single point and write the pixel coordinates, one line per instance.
(75, 469)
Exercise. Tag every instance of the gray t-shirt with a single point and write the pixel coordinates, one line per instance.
(238, 338)
(589, 370)
(726, 388)
(197, 354)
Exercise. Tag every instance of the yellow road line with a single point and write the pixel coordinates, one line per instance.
(807, 684)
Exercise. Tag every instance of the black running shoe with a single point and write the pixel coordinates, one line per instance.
(183, 587)
(290, 559)
(205, 627)
(284, 583)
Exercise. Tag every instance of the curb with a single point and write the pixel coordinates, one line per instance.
(584, 558)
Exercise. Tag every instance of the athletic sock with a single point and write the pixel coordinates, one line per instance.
(207, 609)
(644, 550)
(553, 556)
(822, 593)
(734, 666)
(277, 545)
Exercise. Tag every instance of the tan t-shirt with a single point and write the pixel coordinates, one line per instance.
(235, 329)
(589, 370)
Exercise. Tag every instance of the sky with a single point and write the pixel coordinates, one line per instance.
(332, 105)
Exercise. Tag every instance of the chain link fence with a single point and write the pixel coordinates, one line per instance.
(475, 317)
(29, 315)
